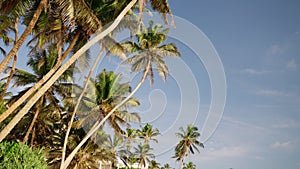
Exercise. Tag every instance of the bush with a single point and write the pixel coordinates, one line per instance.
(18, 156)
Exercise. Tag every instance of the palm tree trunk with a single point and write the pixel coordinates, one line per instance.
(31, 126)
(25, 96)
(27, 31)
(62, 69)
(181, 163)
(77, 105)
(98, 125)
(14, 63)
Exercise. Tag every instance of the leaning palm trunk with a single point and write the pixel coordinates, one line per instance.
(60, 71)
(16, 30)
(27, 31)
(31, 126)
(77, 105)
(98, 125)
(25, 96)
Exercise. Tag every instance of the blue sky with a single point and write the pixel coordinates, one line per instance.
(258, 43)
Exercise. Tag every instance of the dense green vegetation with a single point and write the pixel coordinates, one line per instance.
(50, 111)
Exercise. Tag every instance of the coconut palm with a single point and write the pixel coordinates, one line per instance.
(108, 92)
(189, 141)
(142, 153)
(147, 133)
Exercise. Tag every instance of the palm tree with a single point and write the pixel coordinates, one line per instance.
(188, 143)
(142, 153)
(147, 133)
(166, 166)
(189, 165)
(108, 92)
(130, 137)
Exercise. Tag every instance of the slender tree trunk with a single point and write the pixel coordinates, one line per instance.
(27, 31)
(25, 96)
(77, 105)
(97, 126)
(62, 69)
(31, 126)
(14, 63)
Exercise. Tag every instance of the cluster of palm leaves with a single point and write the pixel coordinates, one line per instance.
(39, 112)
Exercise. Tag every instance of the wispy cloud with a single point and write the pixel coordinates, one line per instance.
(225, 152)
(282, 145)
(286, 124)
(292, 65)
(276, 50)
(254, 72)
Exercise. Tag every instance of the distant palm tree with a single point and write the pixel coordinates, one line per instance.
(130, 137)
(188, 143)
(166, 166)
(189, 165)
(142, 153)
(147, 133)
(154, 165)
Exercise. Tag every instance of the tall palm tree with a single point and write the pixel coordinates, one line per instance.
(150, 51)
(147, 133)
(142, 153)
(189, 141)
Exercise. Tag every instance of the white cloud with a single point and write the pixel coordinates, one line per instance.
(254, 72)
(292, 65)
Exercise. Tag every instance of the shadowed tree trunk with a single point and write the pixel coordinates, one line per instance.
(16, 30)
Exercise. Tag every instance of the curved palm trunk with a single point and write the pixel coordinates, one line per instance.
(14, 63)
(25, 96)
(98, 125)
(77, 105)
(62, 69)
(27, 31)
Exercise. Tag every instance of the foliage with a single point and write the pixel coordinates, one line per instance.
(19, 156)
